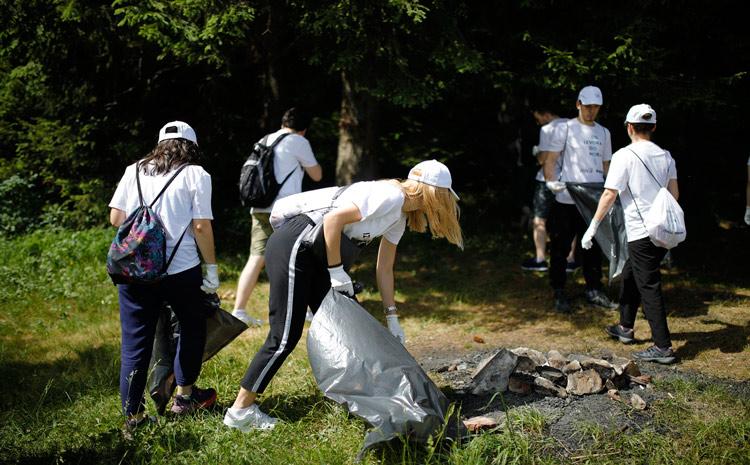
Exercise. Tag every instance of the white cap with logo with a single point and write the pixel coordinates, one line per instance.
(434, 173)
(177, 130)
(641, 113)
(590, 95)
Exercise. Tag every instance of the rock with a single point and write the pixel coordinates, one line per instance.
(572, 367)
(552, 374)
(556, 360)
(547, 387)
(637, 402)
(535, 355)
(520, 385)
(493, 372)
(614, 394)
(525, 365)
(603, 367)
(643, 380)
(610, 385)
(478, 339)
(453, 367)
(584, 382)
(479, 423)
(631, 369)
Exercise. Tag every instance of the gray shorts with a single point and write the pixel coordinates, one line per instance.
(543, 199)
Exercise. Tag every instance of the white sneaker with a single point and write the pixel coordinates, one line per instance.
(242, 315)
(246, 419)
(309, 315)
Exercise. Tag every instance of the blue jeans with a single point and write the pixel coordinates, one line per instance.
(140, 305)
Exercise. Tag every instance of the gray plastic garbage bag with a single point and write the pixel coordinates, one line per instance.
(611, 235)
(357, 362)
(221, 329)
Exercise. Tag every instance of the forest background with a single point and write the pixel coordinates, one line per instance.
(86, 85)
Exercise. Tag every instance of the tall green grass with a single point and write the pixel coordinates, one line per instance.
(59, 362)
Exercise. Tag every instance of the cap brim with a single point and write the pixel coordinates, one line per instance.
(454, 194)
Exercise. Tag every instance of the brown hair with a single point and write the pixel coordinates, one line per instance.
(643, 128)
(168, 155)
(439, 210)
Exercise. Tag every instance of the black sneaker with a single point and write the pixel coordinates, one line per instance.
(655, 354)
(198, 399)
(599, 298)
(532, 264)
(626, 336)
(571, 267)
(562, 304)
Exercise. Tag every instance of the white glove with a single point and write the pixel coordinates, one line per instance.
(587, 241)
(211, 279)
(395, 328)
(340, 281)
(535, 150)
(747, 216)
(555, 186)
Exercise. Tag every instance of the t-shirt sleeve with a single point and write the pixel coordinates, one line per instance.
(546, 137)
(202, 196)
(120, 197)
(395, 232)
(618, 176)
(559, 135)
(304, 154)
(607, 149)
(672, 170)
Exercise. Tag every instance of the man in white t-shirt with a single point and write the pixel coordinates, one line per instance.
(637, 174)
(294, 155)
(583, 149)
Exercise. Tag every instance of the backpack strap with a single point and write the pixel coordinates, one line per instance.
(166, 185)
(174, 251)
(273, 147)
(646, 166)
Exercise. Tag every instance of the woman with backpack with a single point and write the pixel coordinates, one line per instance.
(165, 194)
(638, 173)
(307, 255)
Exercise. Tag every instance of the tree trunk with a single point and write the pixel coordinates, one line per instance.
(356, 153)
(270, 119)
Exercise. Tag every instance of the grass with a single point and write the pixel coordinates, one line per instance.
(59, 362)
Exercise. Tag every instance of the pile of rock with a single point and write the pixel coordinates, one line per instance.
(523, 370)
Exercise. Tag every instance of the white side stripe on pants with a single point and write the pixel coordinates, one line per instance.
(289, 306)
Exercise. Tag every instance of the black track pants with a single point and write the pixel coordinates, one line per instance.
(297, 280)
(565, 223)
(641, 282)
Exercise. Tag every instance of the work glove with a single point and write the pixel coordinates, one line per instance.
(555, 186)
(211, 279)
(587, 241)
(340, 281)
(395, 328)
(747, 216)
(535, 150)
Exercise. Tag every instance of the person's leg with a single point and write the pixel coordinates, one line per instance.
(261, 230)
(541, 203)
(646, 258)
(591, 259)
(139, 310)
(561, 233)
(540, 238)
(630, 298)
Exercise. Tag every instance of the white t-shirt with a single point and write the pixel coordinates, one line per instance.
(188, 197)
(546, 137)
(379, 203)
(291, 155)
(584, 150)
(626, 170)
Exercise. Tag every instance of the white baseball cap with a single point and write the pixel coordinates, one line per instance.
(434, 173)
(177, 130)
(641, 113)
(590, 95)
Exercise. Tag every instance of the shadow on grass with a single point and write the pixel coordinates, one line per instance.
(105, 448)
(731, 339)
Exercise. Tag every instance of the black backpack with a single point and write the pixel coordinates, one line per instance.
(258, 186)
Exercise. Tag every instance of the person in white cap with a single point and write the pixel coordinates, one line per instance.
(637, 173)
(583, 148)
(299, 276)
(181, 189)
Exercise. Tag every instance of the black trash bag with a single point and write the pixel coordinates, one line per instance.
(611, 235)
(358, 363)
(221, 329)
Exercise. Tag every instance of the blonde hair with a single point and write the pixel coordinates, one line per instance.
(438, 210)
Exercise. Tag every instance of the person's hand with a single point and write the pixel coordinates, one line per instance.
(535, 150)
(747, 216)
(340, 281)
(395, 328)
(587, 241)
(555, 186)
(211, 279)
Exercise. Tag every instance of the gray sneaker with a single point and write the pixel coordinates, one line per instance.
(655, 354)
(626, 336)
(599, 298)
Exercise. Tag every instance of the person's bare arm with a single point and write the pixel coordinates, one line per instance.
(605, 165)
(315, 172)
(333, 224)
(550, 160)
(674, 189)
(605, 203)
(384, 272)
(116, 217)
(204, 237)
